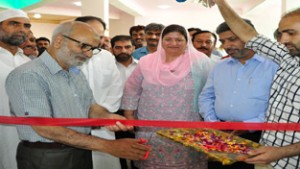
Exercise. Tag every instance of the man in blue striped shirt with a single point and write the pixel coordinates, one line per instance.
(52, 86)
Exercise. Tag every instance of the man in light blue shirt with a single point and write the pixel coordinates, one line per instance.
(238, 87)
(153, 31)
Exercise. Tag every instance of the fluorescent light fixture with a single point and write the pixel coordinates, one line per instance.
(37, 16)
(77, 3)
(164, 6)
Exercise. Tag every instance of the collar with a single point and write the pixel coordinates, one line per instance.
(134, 62)
(19, 51)
(255, 57)
(49, 62)
(144, 49)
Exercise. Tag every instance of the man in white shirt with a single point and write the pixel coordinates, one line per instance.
(14, 28)
(122, 48)
(105, 81)
(205, 42)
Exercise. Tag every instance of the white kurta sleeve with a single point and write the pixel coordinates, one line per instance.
(105, 80)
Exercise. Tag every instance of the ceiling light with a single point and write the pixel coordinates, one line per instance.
(37, 16)
(78, 3)
(164, 6)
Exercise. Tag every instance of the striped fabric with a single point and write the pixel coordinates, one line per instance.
(284, 104)
(42, 88)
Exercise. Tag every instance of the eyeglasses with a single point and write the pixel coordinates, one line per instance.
(84, 47)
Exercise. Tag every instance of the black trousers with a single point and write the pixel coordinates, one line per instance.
(255, 136)
(53, 158)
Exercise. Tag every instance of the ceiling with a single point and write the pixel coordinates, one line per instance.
(56, 11)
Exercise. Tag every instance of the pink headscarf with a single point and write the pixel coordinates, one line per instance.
(156, 71)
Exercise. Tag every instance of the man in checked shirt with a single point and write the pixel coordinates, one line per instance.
(281, 149)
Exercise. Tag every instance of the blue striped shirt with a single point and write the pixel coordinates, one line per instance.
(41, 88)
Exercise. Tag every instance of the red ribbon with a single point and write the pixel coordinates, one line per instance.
(41, 121)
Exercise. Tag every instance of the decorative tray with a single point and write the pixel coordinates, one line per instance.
(218, 145)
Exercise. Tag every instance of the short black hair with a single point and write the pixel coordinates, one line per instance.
(136, 28)
(154, 26)
(204, 31)
(120, 38)
(193, 29)
(42, 39)
(91, 18)
(223, 27)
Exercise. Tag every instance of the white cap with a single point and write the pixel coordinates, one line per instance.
(12, 13)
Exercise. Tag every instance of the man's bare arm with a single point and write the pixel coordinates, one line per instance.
(68, 137)
(244, 31)
(124, 148)
(97, 111)
(265, 155)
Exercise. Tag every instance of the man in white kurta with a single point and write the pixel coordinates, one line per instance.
(105, 81)
(106, 84)
(205, 41)
(11, 36)
(126, 70)
(122, 49)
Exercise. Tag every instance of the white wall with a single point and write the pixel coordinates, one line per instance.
(116, 26)
(187, 19)
(122, 25)
(43, 29)
(265, 21)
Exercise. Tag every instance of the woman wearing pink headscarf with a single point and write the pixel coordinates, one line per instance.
(165, 86)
